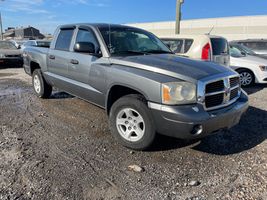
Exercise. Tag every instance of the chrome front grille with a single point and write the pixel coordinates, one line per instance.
(220, 92)
(234, 81)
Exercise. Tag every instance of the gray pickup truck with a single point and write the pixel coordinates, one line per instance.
(143, 86)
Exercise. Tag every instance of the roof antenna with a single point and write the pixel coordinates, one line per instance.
(109, 35)
(210, 30)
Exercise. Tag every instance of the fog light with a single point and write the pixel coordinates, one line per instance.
(197, 130)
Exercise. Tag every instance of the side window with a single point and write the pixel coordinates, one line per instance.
(64, 39)
(187, 45)
(87, 36)
(176, 45)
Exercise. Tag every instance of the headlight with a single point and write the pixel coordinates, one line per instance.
(2, 55)
(263, 68)
(174, 93)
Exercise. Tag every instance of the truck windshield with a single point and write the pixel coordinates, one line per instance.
(131, 41)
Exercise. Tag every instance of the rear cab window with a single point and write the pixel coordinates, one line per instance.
(43, 44)
(219, 46)
(64, 39)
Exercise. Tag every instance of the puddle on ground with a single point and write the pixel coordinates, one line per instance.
(7, 74)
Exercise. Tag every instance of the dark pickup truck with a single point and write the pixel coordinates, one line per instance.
(143, 86)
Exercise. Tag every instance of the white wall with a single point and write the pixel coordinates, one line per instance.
(230, 27)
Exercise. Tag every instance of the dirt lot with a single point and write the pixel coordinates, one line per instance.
(61, 148)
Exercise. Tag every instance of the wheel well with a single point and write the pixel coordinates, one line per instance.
(34, 66)
(240, 69)
(117, 92)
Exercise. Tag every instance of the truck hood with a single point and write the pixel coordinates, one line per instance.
(172, 65)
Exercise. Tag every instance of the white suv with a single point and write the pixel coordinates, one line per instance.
(201, 47)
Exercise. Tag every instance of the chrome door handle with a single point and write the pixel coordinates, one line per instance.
(52, 57)
(75, 62)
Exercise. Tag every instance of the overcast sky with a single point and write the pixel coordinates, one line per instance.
(47, 14)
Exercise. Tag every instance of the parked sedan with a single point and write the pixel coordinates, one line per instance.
(252, 69)
(10, 55)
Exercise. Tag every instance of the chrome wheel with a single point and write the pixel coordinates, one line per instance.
(246, 78)
(37, 84)
(130, 124)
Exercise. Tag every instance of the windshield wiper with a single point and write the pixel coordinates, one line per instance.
(159, 51)
(131, 52)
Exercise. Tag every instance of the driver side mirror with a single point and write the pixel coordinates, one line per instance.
(84, 47)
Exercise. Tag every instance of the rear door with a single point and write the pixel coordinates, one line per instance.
(58, 57)
(220, 51)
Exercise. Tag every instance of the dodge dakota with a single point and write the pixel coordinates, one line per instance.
(144, 87)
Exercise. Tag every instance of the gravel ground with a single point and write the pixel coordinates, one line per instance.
(61, 148)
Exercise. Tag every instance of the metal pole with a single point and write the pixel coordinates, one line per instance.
(178, 15)
(1, 26)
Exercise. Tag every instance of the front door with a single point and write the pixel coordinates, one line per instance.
(86, 71)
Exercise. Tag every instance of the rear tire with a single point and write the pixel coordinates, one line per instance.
(247, 77)
(41, 88)
(131, 122)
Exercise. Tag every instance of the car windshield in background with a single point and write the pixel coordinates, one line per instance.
(7, 45)
(219, 46)
(235, 52)
(256, 45)
(131, 41)
(43, 44)
(245, 49)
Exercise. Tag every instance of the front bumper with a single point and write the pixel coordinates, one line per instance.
(181, 121)
(262, 77)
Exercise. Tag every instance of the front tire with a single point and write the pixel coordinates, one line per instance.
(131, 122)
(41, 88)
(247, 77)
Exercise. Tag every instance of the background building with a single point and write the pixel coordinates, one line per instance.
(23, 33)
(229, 27)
